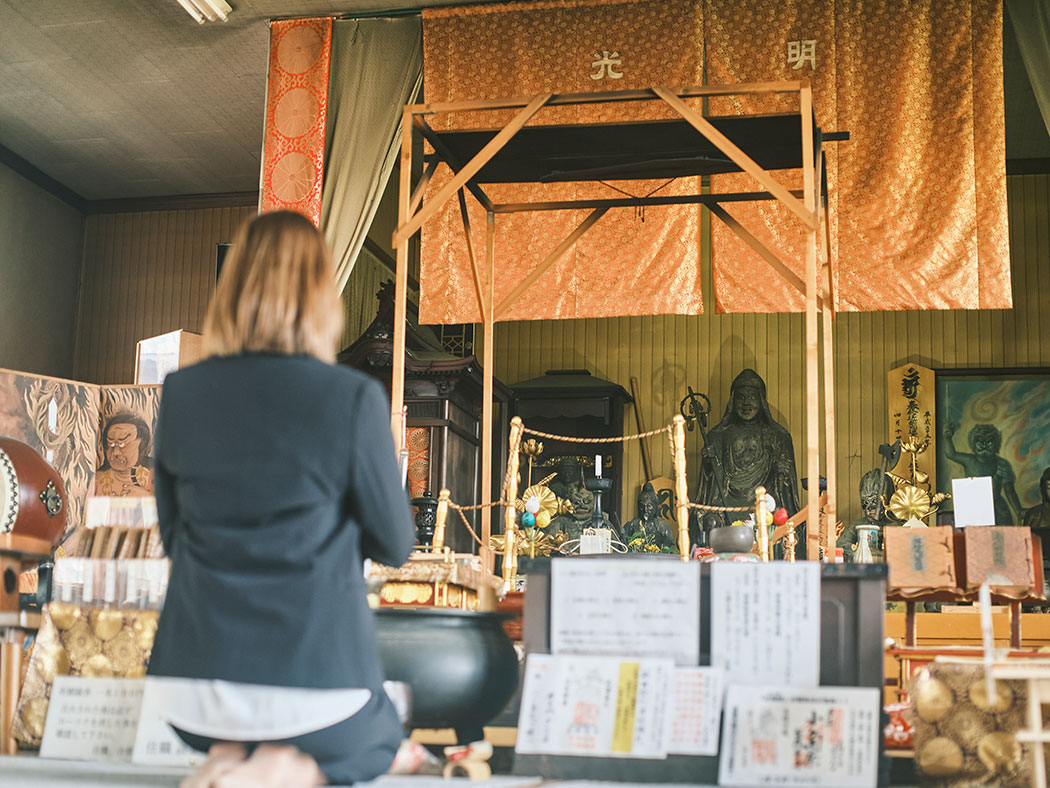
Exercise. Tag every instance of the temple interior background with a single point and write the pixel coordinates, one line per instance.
(81, 287)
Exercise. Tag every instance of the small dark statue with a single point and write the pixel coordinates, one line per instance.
(983, 460)
(649, 533)
(568, 484)
(745, 450)
(872, 494)
(1039, 515)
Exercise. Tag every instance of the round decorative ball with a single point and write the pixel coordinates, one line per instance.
(528, 519)
(780, 516)
(543, 519)
(532, 505)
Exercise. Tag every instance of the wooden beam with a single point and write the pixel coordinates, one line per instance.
(550, 260)
(741, 159)
(446, 155)
(761, 249)
(827, 328)
(397, 381)
(475, 272)
(417, 194)
(635, 202)
(812, 345)
(486, 392)
(606, 97)
(471, 168)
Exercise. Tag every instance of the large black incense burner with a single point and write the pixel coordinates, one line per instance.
(459, 664)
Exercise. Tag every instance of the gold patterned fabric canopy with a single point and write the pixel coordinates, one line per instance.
(917, 195)
(519, 49)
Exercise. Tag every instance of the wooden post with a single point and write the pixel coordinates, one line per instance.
(681, 489)
(812, 345)
(827, 326)
(510, 551)
(397, 380)
(10, 674)
(486, 390)
(442, 516)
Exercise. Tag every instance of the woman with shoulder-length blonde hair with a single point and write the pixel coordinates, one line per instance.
(275, 478)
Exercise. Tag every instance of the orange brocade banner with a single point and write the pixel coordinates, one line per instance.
(917, 195)
(627, 264)
(296, 110)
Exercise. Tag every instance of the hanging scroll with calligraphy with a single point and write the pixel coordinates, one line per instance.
(911, 403)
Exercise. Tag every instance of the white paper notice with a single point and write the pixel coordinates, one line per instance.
(765, 622)
(812, 737)
(156, 743)
(594, 706)
(643, 607)
(972, 501)
(694, 710)
(92, 719)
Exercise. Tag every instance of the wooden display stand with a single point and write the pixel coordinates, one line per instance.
(1035, 596)
(788, 141)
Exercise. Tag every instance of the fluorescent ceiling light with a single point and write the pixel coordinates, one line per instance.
(207, 10)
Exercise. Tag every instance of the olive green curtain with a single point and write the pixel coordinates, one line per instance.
(377, 67)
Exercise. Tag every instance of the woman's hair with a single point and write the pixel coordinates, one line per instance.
(276, 292)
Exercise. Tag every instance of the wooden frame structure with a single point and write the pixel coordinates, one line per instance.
(736, 149)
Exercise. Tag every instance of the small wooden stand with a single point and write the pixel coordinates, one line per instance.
(1036, 596)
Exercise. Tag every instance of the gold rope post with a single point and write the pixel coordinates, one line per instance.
(442, 515)
(510, 552)
(680, 488)
(791, 539)
(760, 522)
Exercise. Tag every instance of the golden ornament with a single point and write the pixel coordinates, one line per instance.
(144, 627)
(122, 653)
(53, 662)
(999, 752)
(63, 615)
(105, 624)
(1004, 696)
(932, 698)
(98, 667)
(543, 519)
(548, 500)
(136, 672)
(34, 713)
(940, 757)
(910, 502)
(81, 644)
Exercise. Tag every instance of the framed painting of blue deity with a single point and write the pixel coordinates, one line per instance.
(995, 423)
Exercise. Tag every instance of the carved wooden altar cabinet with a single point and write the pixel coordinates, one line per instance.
(442, 394)
(688, 144)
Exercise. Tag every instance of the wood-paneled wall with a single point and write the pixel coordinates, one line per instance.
(145, 273)
(667, 354)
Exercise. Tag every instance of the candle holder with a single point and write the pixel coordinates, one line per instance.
(598, 485)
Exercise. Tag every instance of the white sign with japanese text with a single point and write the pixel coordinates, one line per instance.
(825, 736)
(92, 719)
(694, 710)
(626, 607)
(594, 706)
(765, 622)
(156, 743)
